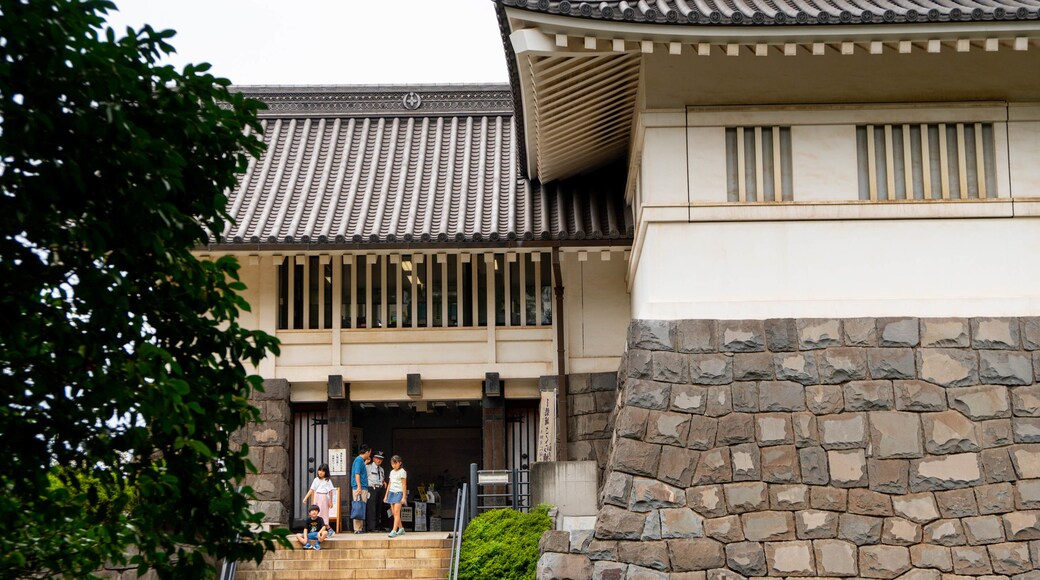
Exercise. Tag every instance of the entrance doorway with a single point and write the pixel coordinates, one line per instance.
(310, 448)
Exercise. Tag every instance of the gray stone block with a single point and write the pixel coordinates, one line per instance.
(617, 490)
(929, 556)
(582, 404)
(736, 428)
(681, 523)
(602, 550)
(636, 457)
(606, 401)
(815, 524)
(782, 334)
(753, 366)
(806, 431)
(741, 336)
(919, 396)
(670, 367)
(645, 554)
(716, 574)
(847, 468)
(996, 466)
(1027, 494)
(747, 558)
(1026, 429)
(600, 382)
(651, 494)
(744, 397)
(981, 402)
(843, 431)
(726, 529)
(1025, 401)
(780, 464)
(827, 399)
(696, 336)
(606, 570)
(703, 432)
(555, 541)
(714, 467)
(696, 554)
(651, 334)
(945, 472)
(794, 558)
(577, 384)
(647, 394)
(689, 399)
(995, 333)
(948, 367)
(554, 566)
(957, 503)
(1001, 367)
(944, 533)
(747, 462)
(898, 332)
(710, 369)
(1026, 459)
(1030, 332)
(971, 561)
(900, 532)
(981, 530)
(860, 530)
(774, 429)
(814, 465)
(888, 475)
(1010, 558)
(997, 498)
(783, 396)
(635, 365)
(707, 500)
(799, 367)
(631, 422)
(1022, 525)
(944, 333)
(949, 432)
(840, 365)
(895, 435)
(919, 508)
(891, 363)
(869, 396)
(859, 331)
(836, 558)
(746, 497)
(667, 428)
(768, 526)
(995, 433)
(789, 497)
(869, 503)
(614, 523)
(677, 465)
(720, 401)
(815, 333)
(883, 561)
(828, 498)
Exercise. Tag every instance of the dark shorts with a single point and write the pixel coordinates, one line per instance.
(394, 497)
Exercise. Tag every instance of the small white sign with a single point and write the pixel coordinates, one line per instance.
(406, 513)
(492, 478)
(420, 517)
(337, 461)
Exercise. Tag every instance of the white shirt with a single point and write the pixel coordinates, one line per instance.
(397, 477)
(322, 485)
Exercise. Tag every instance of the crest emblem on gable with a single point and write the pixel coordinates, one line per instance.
(412, 101)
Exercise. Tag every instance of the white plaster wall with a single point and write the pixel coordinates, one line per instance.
(707, 164)
(1024, 158)
(597, 311)
(823, 162)
(663, 173)
(757, 270)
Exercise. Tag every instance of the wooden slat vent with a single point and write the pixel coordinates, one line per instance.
(758, 164)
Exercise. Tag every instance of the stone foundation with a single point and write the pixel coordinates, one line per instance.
(269, 451)
(591, 399)
(876, 448)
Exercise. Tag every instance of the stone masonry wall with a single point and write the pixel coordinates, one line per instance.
(591, 400)
(269, 451)
(876, 448)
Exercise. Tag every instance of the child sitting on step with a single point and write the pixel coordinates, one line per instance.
(314, 530)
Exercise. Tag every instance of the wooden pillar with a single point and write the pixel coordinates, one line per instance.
(494, 432)
(340, 422)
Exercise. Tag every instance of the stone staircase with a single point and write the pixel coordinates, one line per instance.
(356, 557)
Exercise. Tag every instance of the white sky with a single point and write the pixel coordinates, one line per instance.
(329, 42)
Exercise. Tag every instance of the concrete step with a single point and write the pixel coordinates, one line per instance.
(423, 555)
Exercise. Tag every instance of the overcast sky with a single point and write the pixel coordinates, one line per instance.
(329, 42)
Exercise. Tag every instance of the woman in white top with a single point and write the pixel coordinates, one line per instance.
(321, 492)
(397, 493)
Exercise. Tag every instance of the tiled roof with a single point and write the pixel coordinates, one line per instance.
(787, 12)
(394, 172)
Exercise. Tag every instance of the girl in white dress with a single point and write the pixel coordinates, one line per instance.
(321, 492)
(397, 493)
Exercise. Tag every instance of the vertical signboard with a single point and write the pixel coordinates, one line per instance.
(337, 461)
(547, 427)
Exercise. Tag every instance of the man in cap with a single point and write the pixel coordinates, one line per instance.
(375, 516)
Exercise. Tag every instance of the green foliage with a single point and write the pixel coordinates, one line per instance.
(121, 357)
(503, 544)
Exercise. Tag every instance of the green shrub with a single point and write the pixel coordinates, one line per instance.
(503, 544)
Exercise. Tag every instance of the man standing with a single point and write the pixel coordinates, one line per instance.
(359, 483)
(375, 514)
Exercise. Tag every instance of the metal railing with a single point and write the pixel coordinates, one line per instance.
(515, 482)
(457, 529)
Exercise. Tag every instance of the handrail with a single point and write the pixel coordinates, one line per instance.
(458, 527)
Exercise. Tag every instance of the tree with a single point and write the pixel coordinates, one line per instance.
(122, 372)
